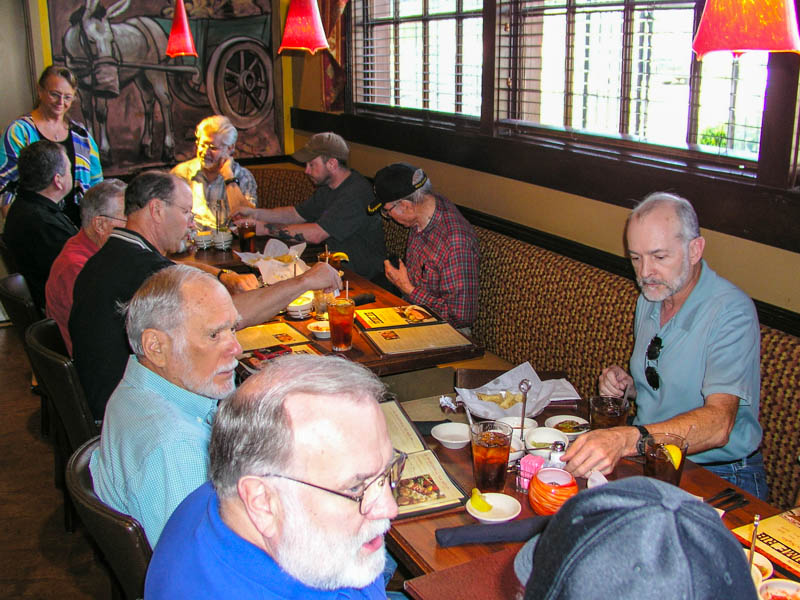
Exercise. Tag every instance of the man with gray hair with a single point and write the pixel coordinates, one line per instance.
(154, 444)
(441, 266)
(301, 493)
(102, 209)
(219, 184)
(36, 227)
(694, 371)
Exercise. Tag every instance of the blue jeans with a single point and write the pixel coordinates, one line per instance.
(747, 473)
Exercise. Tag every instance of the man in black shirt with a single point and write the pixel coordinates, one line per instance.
(36, 227)
(159, 210)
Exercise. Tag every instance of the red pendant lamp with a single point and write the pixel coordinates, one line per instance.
(303, 29)
(741, 25)
(180, 41)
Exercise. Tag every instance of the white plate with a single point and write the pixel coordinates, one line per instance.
(504, 508)
(765, 566)
(320, 329)
(514, 422)
(451, 435)
(773, 586)
(544, 435)
(553, 421)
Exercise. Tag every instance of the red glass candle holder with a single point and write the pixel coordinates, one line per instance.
(549, 489)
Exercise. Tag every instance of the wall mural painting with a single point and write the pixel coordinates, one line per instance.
(141, 106)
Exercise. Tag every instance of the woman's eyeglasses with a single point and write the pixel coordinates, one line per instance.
(652, 354)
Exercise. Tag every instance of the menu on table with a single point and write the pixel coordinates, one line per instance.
(402, 340)
(395, 316)
(424, 485)
(269, 334)
(778, 538)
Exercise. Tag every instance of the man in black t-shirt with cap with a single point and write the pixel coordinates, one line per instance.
(335, 214)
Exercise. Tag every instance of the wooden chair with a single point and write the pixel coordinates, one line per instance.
(120, 537)
(73, 423)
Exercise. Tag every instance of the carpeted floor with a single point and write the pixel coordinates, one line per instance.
(38, 558)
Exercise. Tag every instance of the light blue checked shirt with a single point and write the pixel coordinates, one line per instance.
(153, 448)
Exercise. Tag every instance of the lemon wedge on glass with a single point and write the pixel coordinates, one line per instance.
(477, 501)
(340, 256)
(674, 454)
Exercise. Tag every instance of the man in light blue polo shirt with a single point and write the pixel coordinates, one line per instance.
(154, 443)
(694, 370)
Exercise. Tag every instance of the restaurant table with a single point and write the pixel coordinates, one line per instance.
(412, 541)
(362, 351)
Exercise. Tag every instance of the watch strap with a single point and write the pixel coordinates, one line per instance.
(221, 273)
(232, 180)
(643, 433)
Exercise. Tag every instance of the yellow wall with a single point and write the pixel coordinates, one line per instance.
(766, 273)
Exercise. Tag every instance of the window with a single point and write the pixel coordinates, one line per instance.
(621, 70)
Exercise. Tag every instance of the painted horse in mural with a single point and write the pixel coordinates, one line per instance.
(106, 57)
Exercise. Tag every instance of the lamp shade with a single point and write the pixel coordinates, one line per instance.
(741, 25)
(180, 41)
(303, 29)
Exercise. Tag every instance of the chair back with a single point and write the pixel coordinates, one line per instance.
(120, 537)
(56, 372)
(8, 258)
(18, 303)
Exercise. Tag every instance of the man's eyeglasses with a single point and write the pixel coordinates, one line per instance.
(386, 213)
(186, 211)
(652, 354)
(114, 218)
(372, 491)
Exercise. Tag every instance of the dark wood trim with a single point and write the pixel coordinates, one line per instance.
(729, 204)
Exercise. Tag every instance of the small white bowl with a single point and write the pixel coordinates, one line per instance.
(544, 435)
(504, 508)
(764, 565)
(776, 586)
(320, 329)
(514, 422)
(553, 421)
(517, 449)
(451, 435)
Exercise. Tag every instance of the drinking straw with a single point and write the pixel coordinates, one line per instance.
(327, 255)
(346, 288)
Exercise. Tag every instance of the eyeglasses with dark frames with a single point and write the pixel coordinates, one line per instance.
(651, 355)
(372, 491)
(386, 213)
(114, 218)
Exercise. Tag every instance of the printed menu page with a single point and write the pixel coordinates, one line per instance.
(402, 340)
(269, 334)
(778, 538)
(394, 316)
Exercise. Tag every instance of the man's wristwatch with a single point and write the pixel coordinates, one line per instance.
(643, 433)
(232, 180)
(221, 273)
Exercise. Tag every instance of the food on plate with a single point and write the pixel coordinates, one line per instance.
(540, 445)
(570, 426)
(284, 258)
(478, 502)
(780, 595)
(505, 399)
(416, 314)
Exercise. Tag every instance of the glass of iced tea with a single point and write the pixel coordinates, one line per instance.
(607, 411)
(246, 231)
(664, 455)
(340, 316)
(491, 443)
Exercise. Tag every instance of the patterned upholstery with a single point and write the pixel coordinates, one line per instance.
(780, 409)
(396, 237)
(280, 186)
(556, 312)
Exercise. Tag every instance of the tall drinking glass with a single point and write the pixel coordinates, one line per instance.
(491, 443)
(340, 316)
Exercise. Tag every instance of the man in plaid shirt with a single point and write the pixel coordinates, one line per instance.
(441, 266)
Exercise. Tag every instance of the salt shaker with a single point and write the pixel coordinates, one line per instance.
(556, 452)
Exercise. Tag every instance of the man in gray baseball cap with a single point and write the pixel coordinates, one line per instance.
(335, 214)
(634, 538)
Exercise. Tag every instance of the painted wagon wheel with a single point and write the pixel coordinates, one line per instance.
(239, 82)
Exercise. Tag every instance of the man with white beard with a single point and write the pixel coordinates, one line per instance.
(158, 207)
(301, 493)
(154, 444)
(694, 370)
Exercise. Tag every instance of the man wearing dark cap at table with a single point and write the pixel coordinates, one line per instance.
(335, 214)
(441, 266)
(634, 538)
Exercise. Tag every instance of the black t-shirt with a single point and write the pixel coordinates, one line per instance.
(342, 213)
(36, 231)
(99, 341)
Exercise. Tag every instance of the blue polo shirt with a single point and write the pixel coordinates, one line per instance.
(199, 556)
(153, 448)
(711, 346)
